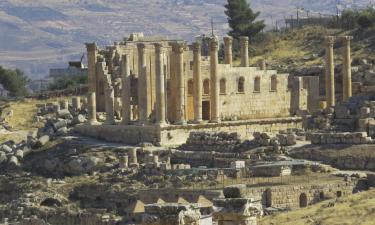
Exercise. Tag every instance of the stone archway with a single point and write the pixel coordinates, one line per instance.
(302, 200)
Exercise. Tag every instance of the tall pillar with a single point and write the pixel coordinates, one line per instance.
(244, 42)
(91, 60)
(197, 80)
(180, 103)
(171, 214)
(160, 85)
(228, 42)
(133, 156)
(215, 101)
(347, 69)
(91, 105)
(143, 85)
(76, 103)
(330, 72)
(126, 88)
(110, 105)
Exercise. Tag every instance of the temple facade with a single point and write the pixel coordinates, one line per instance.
(152, 84)
(169, 82)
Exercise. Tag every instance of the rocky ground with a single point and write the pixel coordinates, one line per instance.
(346, 157)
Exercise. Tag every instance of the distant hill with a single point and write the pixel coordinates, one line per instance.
(39, 34)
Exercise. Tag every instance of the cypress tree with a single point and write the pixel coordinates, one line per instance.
(242, 19)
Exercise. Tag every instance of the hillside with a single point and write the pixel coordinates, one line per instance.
(356, 209)
(40, 34)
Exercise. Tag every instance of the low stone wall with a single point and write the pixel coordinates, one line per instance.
(341, 138)
(204, 158)
(301, 195)
(176, 135)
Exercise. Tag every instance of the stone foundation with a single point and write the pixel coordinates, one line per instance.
(178, 134)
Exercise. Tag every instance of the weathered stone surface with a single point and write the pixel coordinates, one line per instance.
(171, 214)
(42, 141)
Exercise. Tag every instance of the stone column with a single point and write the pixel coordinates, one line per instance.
(171, 214)
(262, 64)
(197, 80)
(126, 88)
(64, 104)
(133, 156)
(91, 105)
(160, 86)
(110, 105)
(76, 103)
(228, 42)
(347, 69)
(180, 103)
(91, 60)
(142, 85)
(215, 101)
(244, 42)
(123, 161)
(330, 72)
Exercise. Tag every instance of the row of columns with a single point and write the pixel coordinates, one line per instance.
(144, 83)
(330, 70)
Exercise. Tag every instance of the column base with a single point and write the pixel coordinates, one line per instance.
(215, 121)
(198, 121)
(182, 122)
(93, 122)
(161, 124)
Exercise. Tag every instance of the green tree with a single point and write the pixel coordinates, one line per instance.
(366, 18)
(67, 82)
(14, 81)
(242, 19)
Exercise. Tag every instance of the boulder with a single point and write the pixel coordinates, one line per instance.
(6, 148)
(13, 161)
(43, 140)
(19, 154)
(64, 114)
(60, 124)
(62, 131)
(82, 165)
(78, 119)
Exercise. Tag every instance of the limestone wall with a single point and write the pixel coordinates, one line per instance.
(176, 135)
(293, 196)
(250, 103)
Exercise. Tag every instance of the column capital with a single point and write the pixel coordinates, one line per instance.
(179, 47)
(330, 40)
(159, 48)
(346, 39)
(214, 44)
(228, 40)
(196, 47)
(141, 46)
(91, 46)
(244, 39)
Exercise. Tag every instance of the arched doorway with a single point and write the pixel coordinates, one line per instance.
(268, 195)
(321, 195)
(302, 200)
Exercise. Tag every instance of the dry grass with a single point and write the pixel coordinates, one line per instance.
(358, 209)
(23, 119)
